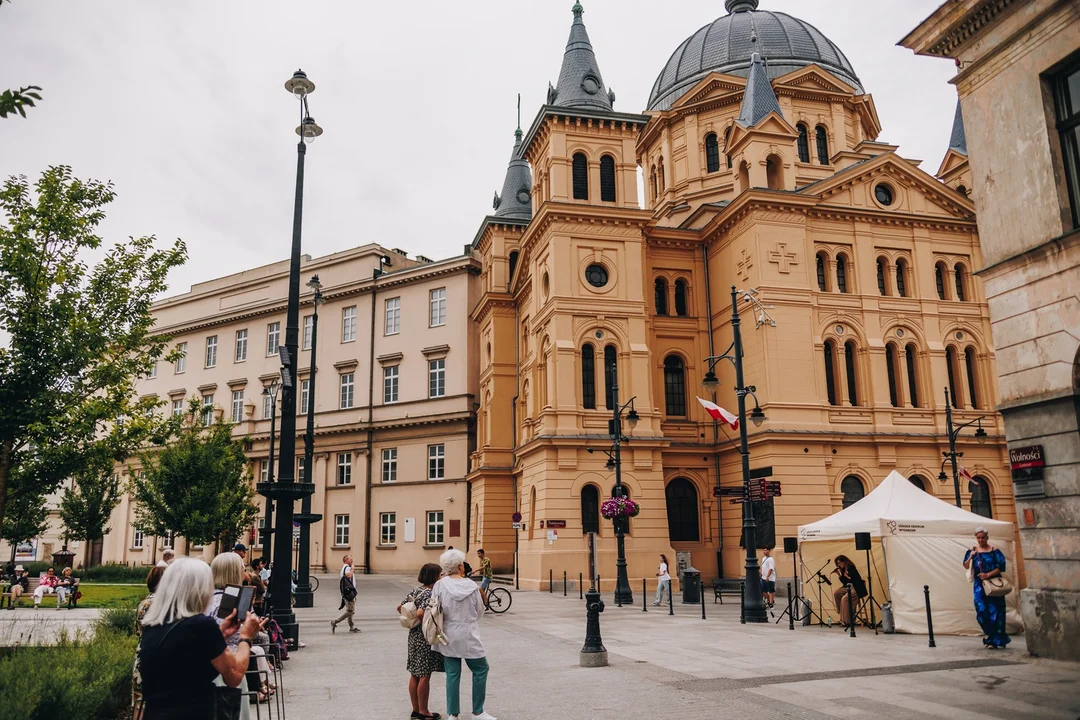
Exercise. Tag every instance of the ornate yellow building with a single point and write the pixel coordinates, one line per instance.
(762, 170)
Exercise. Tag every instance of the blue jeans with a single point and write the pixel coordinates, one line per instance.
(479, 669)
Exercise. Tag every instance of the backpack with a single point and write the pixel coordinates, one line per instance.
(408, 618)
(348, 590)
(432, 625)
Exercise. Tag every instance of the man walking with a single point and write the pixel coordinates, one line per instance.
(768, 577)
(347, 586)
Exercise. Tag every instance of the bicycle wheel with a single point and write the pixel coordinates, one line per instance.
(314, 582)
(499, 600)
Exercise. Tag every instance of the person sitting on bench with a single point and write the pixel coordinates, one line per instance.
(68, 585)
(47, 585)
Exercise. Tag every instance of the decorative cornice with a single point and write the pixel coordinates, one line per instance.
(346, 364)
(390, 358)
(970, 25)
(436, 351)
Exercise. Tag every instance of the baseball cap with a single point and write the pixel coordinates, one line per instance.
(239, 547)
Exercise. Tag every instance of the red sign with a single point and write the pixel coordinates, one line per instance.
(1027, 457)
(556, 523)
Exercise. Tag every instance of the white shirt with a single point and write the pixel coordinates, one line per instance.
(768, 568)
(342, 574)
(461, 609)
(664, 571)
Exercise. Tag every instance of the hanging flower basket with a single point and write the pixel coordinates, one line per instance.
(619, 507)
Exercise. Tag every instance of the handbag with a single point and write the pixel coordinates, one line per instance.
(408, 617)
(997, 586)
(226, 703)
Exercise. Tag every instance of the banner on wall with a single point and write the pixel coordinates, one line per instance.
(26, 551)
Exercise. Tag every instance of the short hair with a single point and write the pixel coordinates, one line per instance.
(168, 553)
(228, 569)
(256, 562)
(480, 551)
(451, 560)
(185, 590)
(429, 573)
(153, 578)
(982, 530)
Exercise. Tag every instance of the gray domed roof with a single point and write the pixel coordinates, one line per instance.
(725, 46)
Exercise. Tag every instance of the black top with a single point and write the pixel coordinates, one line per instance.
(851, 576)
(176, 670)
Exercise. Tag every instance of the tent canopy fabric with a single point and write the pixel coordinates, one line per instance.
(896, 508)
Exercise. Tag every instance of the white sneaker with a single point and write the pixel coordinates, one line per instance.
(453, 717)
(484, 716)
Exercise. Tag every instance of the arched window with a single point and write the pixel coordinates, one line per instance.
(588, 377)
(961, 282)
(674, 386)
(980, 497)
(822, 262)
(607, 178)
(841, 273)
(727, 143)
(804, 143)
(774, 178)
(682, 511)
(660, 296)
(744, 176)
(611, 374)
(891, 362)
(712, 153)
(822, 145)
(953, 369)
(680, 298)
(853, 489)
(939, 280)
(901, 277)
(970, 366)
(849, 365)
(513, 262)
(660, 174)
(532, 511)
(581, 176)
(881, 288)
(912, 379)
(918, 481)
(830, 371)
(962, 190)
(590, 509)
(655, 189)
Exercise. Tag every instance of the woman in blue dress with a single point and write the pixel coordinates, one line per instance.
(988, 562)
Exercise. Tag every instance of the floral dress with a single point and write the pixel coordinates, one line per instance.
(990, 611)
(422, 659)
(136, 674)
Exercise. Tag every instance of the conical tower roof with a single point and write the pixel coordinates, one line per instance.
(515, 200)
(958, 141)
(580, 83)
(759, 99)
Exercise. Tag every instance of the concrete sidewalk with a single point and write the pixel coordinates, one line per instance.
(671, 667)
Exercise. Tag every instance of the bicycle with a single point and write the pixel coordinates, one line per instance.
(498, 600)
(311, 579)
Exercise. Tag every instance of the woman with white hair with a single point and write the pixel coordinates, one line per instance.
(459, 598)
(228, 569)
(986, 561)
(182, 650)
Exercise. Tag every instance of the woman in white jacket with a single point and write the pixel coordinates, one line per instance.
(459, 598)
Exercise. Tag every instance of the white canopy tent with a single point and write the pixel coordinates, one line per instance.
(916, 540)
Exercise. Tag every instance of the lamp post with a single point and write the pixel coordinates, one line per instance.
(286, 490)
(304, 595)
(267, 531)
(623, 594)
(980, 436)
(753, 605)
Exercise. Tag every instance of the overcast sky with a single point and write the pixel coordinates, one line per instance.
(182, 106)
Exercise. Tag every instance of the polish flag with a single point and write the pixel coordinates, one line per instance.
(964, 473)
(719, 414)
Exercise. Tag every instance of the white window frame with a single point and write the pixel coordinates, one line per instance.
(211, 352)
(208, 409)
(436, 528)
(341, 530)
(181, 362)
(388, 528)
(266, 407)
(437, 378)
(238, 406)
(348, 324)
(437, 302)
(177, 407)
(309, 329)
(305, 396)
(168, 541)
(301, 469)
(260, 524)
(153, 371)
(392, 326)
(240, 353)
(344, 469)
(347, 387)
(389, 465)
(264, 470)
(436, 461)
(273, 338)
(391, 384)
(137, 539)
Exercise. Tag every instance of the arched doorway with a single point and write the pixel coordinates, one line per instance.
(682, 511)
(853, 489)
(590, 509)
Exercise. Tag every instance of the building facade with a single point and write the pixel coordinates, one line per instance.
(762, 171)
(1019, 85)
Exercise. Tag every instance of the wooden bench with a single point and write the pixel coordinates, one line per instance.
(725, 586)
(72, 599)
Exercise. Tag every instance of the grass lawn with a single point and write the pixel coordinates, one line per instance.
(96, 595)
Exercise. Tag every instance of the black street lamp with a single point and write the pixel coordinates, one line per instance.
(753, 604)
(286, 490)
(304, 595)
(954, 432)
(623, 594)
(267, 530)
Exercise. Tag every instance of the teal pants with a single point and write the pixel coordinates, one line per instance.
(479, 669)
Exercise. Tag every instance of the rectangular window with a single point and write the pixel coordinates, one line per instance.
(435, 527)
(436, 378)
(390, 384)
(301, 467)
(438, 307)
(237, 406)
(268, 408)
(436, 463)
(241, 346)
(393, 316)
(208, 409)
(177, 407)
(211, 351)
(168, 541)
(347, 386)
(344, 468)
(389, 464)
(137, 539)
(341, 530)
(153, 371)
(348, 324)
(181, 362)
(387, 528)
(309, 331)
(305, 396)
(261, 525)
(264, 471)
(1067, 98)
(273, 338)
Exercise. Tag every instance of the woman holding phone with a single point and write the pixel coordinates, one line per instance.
(228, 569)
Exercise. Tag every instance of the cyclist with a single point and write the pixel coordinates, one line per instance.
(485, 574)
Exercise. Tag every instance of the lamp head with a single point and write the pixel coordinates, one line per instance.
(980, 434)
(757, 416)
(710, 382)
(314, 283)
(610, 463)
(632, 418)
(309, 129)
(942, 477)
(299, 85)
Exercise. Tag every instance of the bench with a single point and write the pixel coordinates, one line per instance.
(72, 597)
(725, 586)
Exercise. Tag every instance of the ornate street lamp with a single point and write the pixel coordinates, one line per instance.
(267, 530)
(304, 595)
(623, 594)
(980, 436)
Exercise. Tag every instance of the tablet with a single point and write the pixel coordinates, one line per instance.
(238, 598)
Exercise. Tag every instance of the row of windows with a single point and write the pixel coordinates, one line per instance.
(855, 490)
(391, 326)
(435, 534)
(898, 281)
(821, 136)
(588, 376)
(660, 293)
(436, 469)
(580, 177)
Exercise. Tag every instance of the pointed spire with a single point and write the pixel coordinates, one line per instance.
(759, 99)
(958, 140)
(580, 82)
(516, 199)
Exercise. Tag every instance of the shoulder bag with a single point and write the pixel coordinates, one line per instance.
(996, 586)
(432, 624)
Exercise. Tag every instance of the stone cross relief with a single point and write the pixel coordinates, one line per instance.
(744, 265)
(783, 258)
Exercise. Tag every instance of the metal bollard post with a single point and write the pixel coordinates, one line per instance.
(929, 618)
(701, 594)
(551, 588)
(790, 609)
(580, 590)
(643, 603)
(742, 602)
(851, 609)
(564, 583)
(670, 607)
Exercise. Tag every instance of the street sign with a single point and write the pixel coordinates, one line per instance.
(761, 473)
(729, 491)
(556, 523)
(516, 517)
(519, 526)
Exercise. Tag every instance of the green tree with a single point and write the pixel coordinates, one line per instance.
(16, 101)
(87, 505)
(198, 485)
(79, 337)
(29, 517)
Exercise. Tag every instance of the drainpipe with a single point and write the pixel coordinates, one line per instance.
(370, 430)
(514, 428)
(715, 430)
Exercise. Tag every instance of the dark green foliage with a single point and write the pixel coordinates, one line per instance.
(14, 101)
(87, 505)
(117, 620)
(114, 573)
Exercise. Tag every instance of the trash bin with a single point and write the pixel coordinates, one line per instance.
(807, 611)
(888, 623)
(691, 586)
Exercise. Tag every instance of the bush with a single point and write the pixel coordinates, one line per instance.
(114, 573)
(79, 677)
(116, 620)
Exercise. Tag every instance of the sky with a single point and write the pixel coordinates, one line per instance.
(183, 107)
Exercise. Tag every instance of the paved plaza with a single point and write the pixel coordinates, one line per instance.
(671, 667)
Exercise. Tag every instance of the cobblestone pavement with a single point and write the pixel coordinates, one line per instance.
(671, 667)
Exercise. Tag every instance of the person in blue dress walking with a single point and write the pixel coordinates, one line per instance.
(986, 562)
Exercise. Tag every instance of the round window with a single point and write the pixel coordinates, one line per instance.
(839, 329)
(899, 332)
(590, 85)
(959, 336)
(596, 275)
(547, 285)
(884, 194)
(523, 196)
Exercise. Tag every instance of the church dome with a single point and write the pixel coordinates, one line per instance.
(726, 45)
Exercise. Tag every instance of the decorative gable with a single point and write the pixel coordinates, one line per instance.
(814, 79)
(715, 86)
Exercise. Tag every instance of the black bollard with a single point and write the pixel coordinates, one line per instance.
(790, 609)
(929, 618)
(598, 585)
(564, 583)
(551, 584)
(580, 589)
(851, 609)
(701, 594)
(742, 602)
(643, 603)
(670, 607)
(593, 653)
